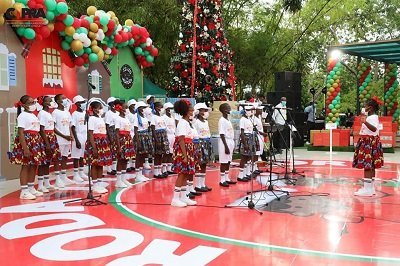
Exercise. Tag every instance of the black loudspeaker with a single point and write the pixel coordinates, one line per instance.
(290, 84)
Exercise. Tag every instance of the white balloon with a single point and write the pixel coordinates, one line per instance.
(75, 36)
(119, 27)
(87, 43)
(108, 51)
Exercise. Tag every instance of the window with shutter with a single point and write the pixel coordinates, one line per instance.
(4, 84)
(12, 70)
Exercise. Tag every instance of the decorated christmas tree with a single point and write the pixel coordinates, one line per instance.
(201, 66)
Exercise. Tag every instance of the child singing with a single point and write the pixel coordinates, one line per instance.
(161, 143)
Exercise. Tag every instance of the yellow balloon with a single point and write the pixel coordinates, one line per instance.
(92, 35)
(2, 20)
(76, 45)
(18, 7)
(100, 55)
(106, 57)
(94, 43)
(129, 22)
(91, 10)
(51, 27)
(94, 28)
(70, 30)
(4, 5)
(111, 13)
(95, 49)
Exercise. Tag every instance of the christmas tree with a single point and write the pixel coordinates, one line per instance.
(211, 64)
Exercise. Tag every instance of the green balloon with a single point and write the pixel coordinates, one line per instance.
(146, 53)
(391, 89)
(50, 5)
(104, 20)
(330, 115)
(21, 31)
(331, 106)
(79, 53)
(88, 50)
(338, 73)
(334, 102)
(337, 106)
(90, 19)
(68, 21)
(150, 59)
(62, 33)
(131, 41)
(29, 34)
(65, 45)
(50, 15)
(93, 58)
(62, 8)
(334, 111)
(69, 39)
(25, 2)
(138, 50)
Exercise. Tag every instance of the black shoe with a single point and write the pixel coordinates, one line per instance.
(165, 175)
(207, 188)
(243, 179)
(195, 193)
(171, 173)
(201, 189)
(159, 176)
(257, 172)
(128, 170)
(113, 172)
(230, 182)
(224, 184)
(191, 196)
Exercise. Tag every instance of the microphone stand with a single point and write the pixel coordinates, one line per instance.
(90, 199)
(294, 171)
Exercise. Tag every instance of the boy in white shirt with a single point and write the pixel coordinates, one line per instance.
(62, 128)
(131, 117)
(171, 127)
(79, 131)
(110, 117)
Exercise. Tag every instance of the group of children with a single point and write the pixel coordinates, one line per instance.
(129, 133)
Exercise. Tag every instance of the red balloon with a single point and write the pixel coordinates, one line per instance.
(79, 61)
(45, 31)
(85, 23)
(111, 24)
(61, 17)
(59, 26)
(77, 23)
(154, 51)
(59, 1)
(38, 37)
(124, 36)
(118, 38)
(85, 56)
(114, 51)
(32, 4)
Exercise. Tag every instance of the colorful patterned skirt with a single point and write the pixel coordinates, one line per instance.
(204, 151)
(369, 153)
(179, 166)
(113, 142)
(55, 154)
(145, 142)
(127, 151)
(104, 157)
(35, 145)
(250, 145)
(161, 143)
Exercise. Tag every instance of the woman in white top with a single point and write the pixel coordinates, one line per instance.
(125, 148)
(97, 151)
(131, 117)
(110, 117)
(203, 146)
(368, 153)
(143, 142)
(170, 123)
(184, 163)
(52, 149)
(29, 148)
(161, 143)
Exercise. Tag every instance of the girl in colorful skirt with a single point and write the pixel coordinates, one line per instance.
(52, 149)
(226, 145)
(171, 127)
(161, 143)
(369, 152)
(203, 146)
(130, 114)
(110, 117)
(125, 148)
(184, 163)
(29, 149)
(97, 151)
(248, 144)
(143, 141)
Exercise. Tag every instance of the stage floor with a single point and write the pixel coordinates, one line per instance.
(319, 223)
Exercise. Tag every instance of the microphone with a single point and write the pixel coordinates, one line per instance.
(283, 108)
(91, 86)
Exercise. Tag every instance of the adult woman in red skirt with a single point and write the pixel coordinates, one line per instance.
(369, 152)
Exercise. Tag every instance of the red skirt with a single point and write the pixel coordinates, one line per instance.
(181, 167)
(55, 154)
(104, 157)
(127, 151)
(369, 153)
(35, 145)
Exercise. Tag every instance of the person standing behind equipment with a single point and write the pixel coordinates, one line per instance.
(279, 116)
(311, 111)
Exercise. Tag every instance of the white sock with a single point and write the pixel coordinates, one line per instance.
(141, 170)
(119, 176)
(31, 185)
(57, 174)
(190, 187)
(133, 163)
(164, 168)
(24, 188)
(169, 167)
(63, 173)
(114, 165)
(177, 192)
(203, 179)
(183, 192)
(138, 172)
(47, 180)
(124, 176)
(227, 176)
(157, 170)
(146, 160)
(40, 181)
(222, 177)
(109, 168)
(81, 170)
(197, 179)
(76, 171)
(241, 173)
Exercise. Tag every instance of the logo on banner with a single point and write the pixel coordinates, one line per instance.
(35, 17)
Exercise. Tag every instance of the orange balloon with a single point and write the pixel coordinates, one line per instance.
(76, 45)
(93, 27)
(70, 30)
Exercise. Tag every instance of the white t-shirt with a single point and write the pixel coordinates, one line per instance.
(145, 123)
(158, 122)
(259, 124)
(225, 127)
(110, 117)
(46, 120)
(170, 124)
(184, 129)
(28, 121)
(279, 115)
(148, 113)
(202, 128)
(123, 124)
(374, 121)
(62, 121)
(97, 125)
(131, 118)
(246, 124)
(78, 121)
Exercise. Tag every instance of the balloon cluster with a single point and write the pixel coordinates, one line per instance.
(98, 35)
(33, 28)
(4, 5)
(333, 93)
(391, 88)
(364, 79)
